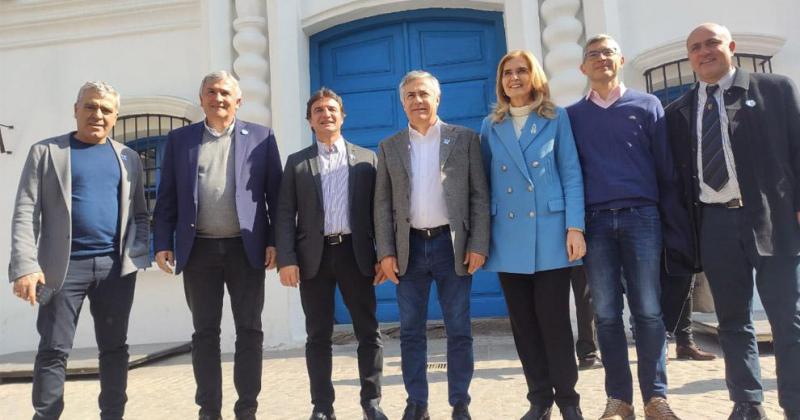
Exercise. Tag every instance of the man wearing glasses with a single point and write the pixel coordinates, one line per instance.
(630, 187)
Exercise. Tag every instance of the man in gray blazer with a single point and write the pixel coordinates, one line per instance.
(80, 228)
(324, 238)
(431, 223)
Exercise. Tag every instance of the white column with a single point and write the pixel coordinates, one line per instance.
(251, 65)
(522, 26)
(561, 38)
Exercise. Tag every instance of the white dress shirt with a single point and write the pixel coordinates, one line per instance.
(730, 190)
(334, 172)
(428, 208)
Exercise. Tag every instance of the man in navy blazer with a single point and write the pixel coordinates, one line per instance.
(736, 141)
(217, 195)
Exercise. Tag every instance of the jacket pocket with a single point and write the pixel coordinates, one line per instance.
(556, 204)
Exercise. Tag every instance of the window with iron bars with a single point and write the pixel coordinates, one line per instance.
(669, 81)
(147, 135)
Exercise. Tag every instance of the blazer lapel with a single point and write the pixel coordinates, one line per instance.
(313, 166)
(241, 143)
(734, 97)
(402, 145)
(193, 148)
(352, 160)
(533, 126)
(59, 154)
(446, 141)
(124, 189)
(508, 138)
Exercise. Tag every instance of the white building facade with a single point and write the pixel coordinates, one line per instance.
(155, 52)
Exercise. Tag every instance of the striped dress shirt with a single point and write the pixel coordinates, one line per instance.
(334, 173)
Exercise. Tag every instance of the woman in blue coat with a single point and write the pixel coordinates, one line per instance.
(537, 227)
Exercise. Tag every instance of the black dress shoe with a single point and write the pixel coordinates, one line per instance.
(416, 412)
(748, 411)
(791, 414)
(571, 413)
(461, 412)
(206, 416)
(321, 415)
(590, 361)
(249, 414)
(374, 413)
(537, 412)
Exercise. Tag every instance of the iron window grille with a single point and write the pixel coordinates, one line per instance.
(147, 135)
(669, 81)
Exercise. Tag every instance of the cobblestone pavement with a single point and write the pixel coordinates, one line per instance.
(165, 389)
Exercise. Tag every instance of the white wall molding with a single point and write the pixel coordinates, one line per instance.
(166, 105)
(251, 65)
(751, 43)
(53, 22)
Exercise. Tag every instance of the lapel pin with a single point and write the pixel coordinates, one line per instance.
(751, 103)
(245, 132)
(446, 141)
(632, 117)
(123, 157)
(533, 128)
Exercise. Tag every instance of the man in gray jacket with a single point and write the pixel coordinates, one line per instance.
(432, 223)
(80, 229)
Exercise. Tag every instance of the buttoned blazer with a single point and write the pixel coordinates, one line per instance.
(300, 227)
(41, 229)
(764, 129)
(257, 167)
(537, 192)
(465, 189)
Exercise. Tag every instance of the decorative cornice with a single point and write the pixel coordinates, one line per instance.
(749, 43)
(165, 105)
(53, 22)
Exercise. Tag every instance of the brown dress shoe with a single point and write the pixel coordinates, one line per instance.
(617, 410)
(693, 352)
(658, 409)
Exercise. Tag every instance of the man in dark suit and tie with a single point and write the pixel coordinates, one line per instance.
(325, 238)
(736, 142)
(218, 195)
(432, 224)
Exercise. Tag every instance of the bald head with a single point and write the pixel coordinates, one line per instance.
(710, 48)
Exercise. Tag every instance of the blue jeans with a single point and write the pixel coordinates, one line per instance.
(110, 298)
(627, 240)
(432, 260)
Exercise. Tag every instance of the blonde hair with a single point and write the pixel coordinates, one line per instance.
(540, 94)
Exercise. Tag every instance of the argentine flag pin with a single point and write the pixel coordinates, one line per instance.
(244, 131)
(446, 141)
(751, 103)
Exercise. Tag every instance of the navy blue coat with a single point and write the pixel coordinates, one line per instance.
(258, 178)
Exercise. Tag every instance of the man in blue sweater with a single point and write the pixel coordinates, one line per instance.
(627, 168)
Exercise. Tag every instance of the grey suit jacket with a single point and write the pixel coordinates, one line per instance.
(41, 231)
(465, 188)
(300, 224)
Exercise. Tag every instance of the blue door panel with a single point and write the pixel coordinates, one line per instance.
(364, 62)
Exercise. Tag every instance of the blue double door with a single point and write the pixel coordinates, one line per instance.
(364, 61)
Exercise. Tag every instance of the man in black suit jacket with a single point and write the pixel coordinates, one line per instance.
(325, 237)
(736, 143)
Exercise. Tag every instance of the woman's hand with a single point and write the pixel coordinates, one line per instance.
(576, 245)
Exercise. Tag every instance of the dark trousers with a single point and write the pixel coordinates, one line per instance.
(213, 265)
(676, 304)
(729, 256)
(110, 299)
(584, 314)
(538, 307)
(338, 266)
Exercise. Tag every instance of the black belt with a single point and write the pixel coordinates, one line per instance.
(429, 233)
(733, 204)
(336, 239)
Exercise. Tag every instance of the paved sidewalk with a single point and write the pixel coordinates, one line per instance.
(165, 390)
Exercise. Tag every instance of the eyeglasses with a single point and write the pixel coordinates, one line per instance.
(597, 54)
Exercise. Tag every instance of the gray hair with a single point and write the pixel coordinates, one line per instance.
(600, 38)
(419, 74)
(103, 88)
(221, 75)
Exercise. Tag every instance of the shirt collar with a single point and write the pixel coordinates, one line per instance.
(336, 147)
(216, 134)
(724, 83)
(435, 128)
(613, 95)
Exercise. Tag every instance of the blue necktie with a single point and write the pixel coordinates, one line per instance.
(715, 170)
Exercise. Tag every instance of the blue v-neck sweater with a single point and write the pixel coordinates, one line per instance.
(623, 150)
